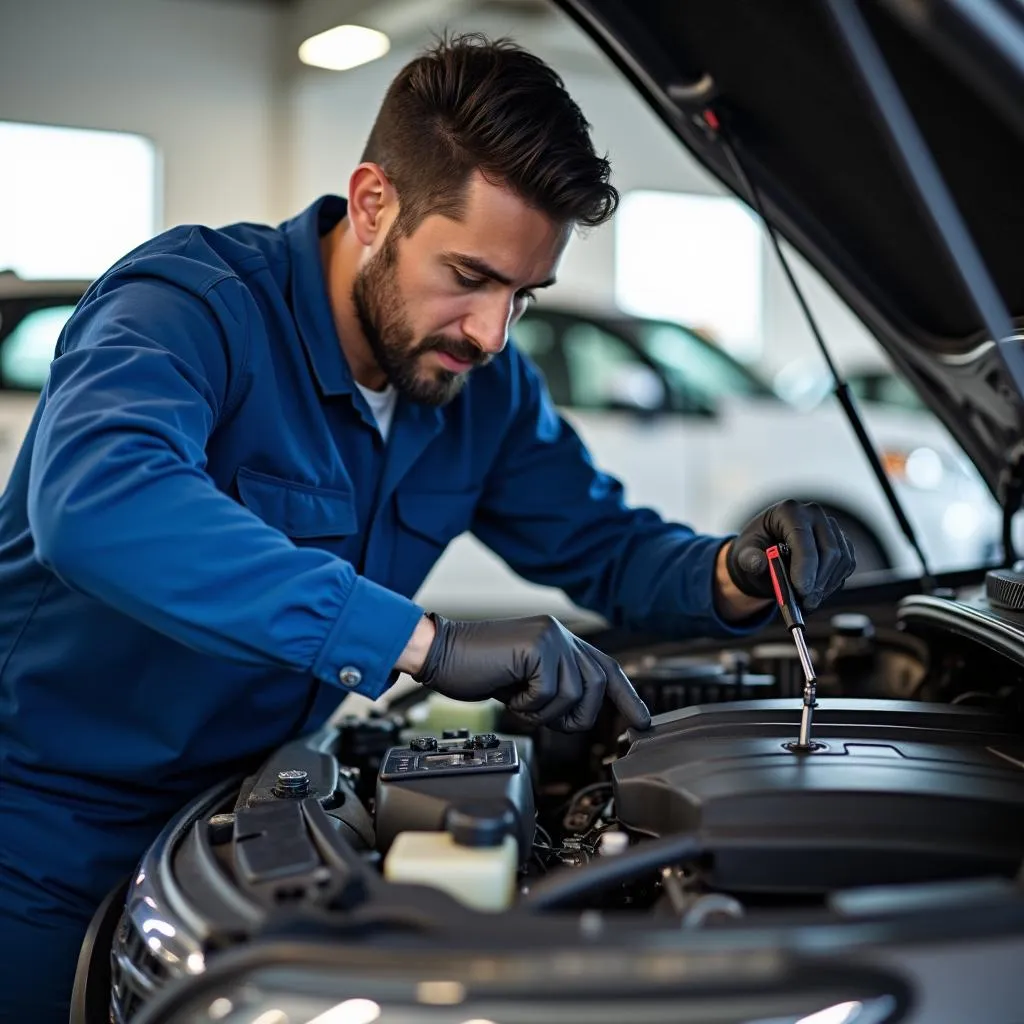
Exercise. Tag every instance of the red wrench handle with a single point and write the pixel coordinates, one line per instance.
(785, 595)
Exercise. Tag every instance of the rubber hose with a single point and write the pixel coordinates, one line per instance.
(568, 886)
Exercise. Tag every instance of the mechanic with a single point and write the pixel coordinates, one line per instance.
(253, 445)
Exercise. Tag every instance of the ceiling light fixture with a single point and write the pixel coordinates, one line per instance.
(344, 47)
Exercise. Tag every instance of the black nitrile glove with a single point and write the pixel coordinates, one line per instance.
(535, 666)
(821, 556)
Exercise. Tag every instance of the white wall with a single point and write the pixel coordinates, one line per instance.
(195, 76)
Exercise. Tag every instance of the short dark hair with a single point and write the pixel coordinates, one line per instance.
(471, 103)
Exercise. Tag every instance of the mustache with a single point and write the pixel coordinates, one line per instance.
(464, 351)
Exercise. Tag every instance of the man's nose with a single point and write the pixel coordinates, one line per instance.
(487, 326)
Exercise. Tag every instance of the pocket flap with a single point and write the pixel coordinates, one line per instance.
(296, 509)
(437, 515)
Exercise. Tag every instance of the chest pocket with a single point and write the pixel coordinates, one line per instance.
(300, 511)
(428, 520)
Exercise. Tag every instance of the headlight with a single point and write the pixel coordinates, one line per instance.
(923, 468)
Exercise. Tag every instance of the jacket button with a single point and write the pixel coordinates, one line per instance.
(350, 676)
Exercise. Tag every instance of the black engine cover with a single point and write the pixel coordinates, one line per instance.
(901, 792)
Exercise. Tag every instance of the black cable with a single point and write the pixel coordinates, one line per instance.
(594, 787)
(564, 808)
(571, 885)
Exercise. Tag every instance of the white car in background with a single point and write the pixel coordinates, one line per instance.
(700, 438)
(691, 432)
(32, 314)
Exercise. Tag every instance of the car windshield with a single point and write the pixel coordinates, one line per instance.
(695, 364)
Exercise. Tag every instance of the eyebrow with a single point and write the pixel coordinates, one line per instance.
(478, 266)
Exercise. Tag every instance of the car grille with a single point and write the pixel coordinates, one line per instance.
(135, 973)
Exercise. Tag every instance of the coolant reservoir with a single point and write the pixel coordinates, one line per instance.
(438, 713)
(475, 860)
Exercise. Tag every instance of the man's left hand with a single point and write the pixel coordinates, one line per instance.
(821, 556)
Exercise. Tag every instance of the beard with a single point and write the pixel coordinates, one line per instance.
(385, 325)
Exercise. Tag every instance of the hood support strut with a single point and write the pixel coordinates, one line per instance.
(700, 96)
(842, 390)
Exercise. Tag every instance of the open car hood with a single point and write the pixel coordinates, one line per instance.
(790, 102)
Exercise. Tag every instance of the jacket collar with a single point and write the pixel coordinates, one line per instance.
(309, 299)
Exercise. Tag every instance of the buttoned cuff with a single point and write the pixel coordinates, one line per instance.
(361, 649)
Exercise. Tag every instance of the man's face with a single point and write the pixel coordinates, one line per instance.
(440, 302)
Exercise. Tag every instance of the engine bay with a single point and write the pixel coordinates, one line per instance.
(429, 814)
(895, 792)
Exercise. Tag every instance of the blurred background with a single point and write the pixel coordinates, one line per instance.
(672, 341)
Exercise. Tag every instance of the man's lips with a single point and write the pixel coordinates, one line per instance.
(449, 362)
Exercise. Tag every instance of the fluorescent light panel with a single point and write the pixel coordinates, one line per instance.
(344, 47)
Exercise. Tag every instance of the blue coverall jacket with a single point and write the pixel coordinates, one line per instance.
(205, 539)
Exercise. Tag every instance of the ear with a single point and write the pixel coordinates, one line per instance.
(372, 202)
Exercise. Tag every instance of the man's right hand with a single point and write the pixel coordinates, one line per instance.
(534, 665)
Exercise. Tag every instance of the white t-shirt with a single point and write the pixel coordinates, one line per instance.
(382, 405)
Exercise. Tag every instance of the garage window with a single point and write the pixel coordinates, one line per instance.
(73, 201)
(695, 260)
